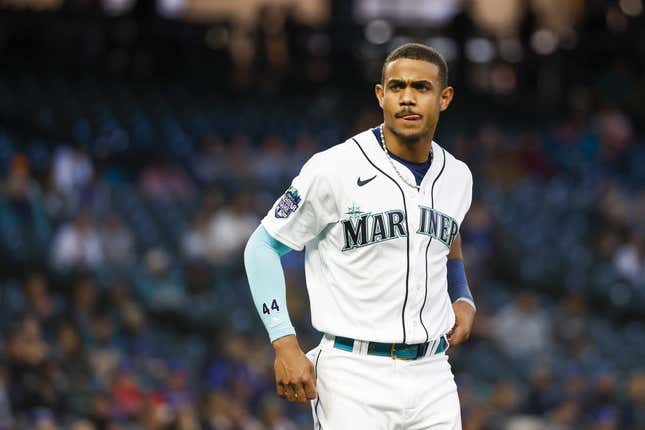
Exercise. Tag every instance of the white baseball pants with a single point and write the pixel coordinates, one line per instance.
(366, 392)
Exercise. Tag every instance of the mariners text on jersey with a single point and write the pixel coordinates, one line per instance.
(367, 229)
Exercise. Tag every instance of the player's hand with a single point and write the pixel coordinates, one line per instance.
(464, 318)
(294, 374)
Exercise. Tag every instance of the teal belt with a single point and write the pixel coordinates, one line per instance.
(394, 350)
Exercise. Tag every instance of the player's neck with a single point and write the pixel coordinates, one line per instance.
(416, 151)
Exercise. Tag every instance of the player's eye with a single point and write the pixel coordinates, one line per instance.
(396, 85)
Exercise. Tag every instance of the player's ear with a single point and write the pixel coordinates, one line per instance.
(378, 90)
(446, 97)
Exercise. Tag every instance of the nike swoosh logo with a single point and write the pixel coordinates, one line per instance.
(361, 183)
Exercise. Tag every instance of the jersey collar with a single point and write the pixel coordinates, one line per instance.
(370, 141)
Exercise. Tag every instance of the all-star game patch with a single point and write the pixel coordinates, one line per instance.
(288, 203)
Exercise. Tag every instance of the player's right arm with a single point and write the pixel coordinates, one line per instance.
(295, 378)
(296, 218)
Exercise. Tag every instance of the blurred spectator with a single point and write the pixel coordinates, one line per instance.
(272, 162)
(306, 145)
(272, 414)
(127, 393)
(204, 299)
(230, 228)
(521, 329)
(209, 164)
(602, 406)
(478, 242)
(22, 213)
(84, 303)
(6, 418)
(215, 411)
(139, 341)
(179, 392)
(154, 413)
(572, 320)
(72, 172)
(195, 240)
(615, 132)
(504, 401)
(605, 420)
(564, 416)
(78, 245)
(39, 301)
(43, 419)
(498, 159)
(187, 419)
(238, 153)
(27, 363)
(104, 349)
(82, 425)
(158, 286)
(163, 180)
(615, 204)
(117, 241)
(101, 412)
(629, 259)
(633, 409)
(23, 192)
(542, 394)
(533, 157)
(223, 412)
(73, 361)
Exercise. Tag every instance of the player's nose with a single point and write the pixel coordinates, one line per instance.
(407, 98)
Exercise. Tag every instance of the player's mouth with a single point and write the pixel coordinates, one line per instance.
(408, 116)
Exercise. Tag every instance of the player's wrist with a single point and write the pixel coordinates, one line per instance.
(286, 343)
(467, 300)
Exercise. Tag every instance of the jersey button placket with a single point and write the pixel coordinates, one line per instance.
(412, 313)
(423, 198)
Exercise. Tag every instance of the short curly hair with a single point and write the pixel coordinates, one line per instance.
(417, 51)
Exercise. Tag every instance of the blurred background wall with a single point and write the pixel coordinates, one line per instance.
(142, 141)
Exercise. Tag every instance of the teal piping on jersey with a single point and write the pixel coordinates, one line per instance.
(266, 281)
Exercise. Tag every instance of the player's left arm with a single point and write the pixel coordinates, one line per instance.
(460, 295)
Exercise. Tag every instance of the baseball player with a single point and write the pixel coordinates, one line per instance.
(378, 217)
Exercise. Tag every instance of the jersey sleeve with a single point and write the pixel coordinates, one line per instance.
(305, 209)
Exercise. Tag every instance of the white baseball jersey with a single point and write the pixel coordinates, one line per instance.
(375, 248)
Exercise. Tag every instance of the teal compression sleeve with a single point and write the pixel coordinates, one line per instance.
(266, 280)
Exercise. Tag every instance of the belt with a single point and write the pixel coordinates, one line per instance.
(394, 350)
